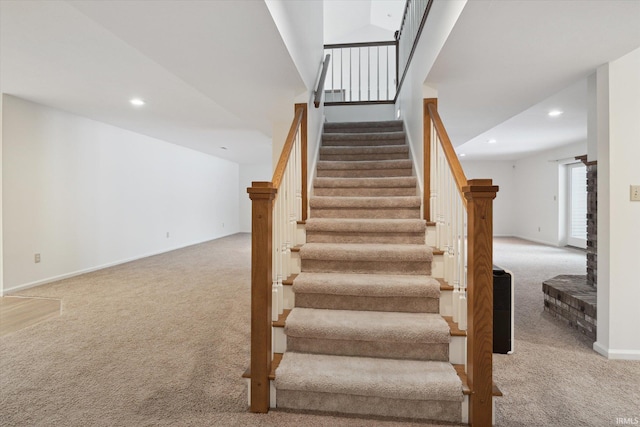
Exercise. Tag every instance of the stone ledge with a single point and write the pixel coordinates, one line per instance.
(568, 297)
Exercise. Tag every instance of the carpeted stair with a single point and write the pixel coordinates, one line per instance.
(365, 336)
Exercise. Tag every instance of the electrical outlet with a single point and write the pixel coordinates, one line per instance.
(635, 193)
(37, 258)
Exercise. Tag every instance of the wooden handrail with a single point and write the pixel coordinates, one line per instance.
(450, 153)
(278, 172)
(323, 75)
(477, 195)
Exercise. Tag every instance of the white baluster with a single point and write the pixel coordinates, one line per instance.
(463, 273)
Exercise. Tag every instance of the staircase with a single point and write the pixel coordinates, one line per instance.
(365, 335)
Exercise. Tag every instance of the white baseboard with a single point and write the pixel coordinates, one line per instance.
(542, 242)
(616, 354)
(52, 279)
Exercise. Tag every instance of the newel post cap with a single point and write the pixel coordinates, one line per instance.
(262, 190)
(480, 189)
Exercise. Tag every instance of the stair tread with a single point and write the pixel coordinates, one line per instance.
(364, 149)
(373, 285)
(374, 182)
(379, 326)
(364, 164)
(277, 357)
(453, 327)
(369, 136)
(365, 225)
(495, 390)
(366, 376)
(366, 252)
(364, 202)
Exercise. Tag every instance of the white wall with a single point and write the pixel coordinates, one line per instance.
(85, 195)
(503, 175)
(359, 113)
(1, 198)
(301, 26)
(618, 231)
(248, 174)
(537, 202)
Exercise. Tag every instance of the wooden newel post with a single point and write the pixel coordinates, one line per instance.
(480, 194)
(262, 195)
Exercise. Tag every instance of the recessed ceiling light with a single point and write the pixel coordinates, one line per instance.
(137, 102)
(223, 148)
(555, 113)
(462, 154)
(492, 141)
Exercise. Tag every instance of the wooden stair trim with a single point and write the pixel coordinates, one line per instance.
(277, 357)
(444, 286)
(296, 248)
(496, 392)
(281, 319)
(289, 280)
(453, 326)
(303, 222)
(437, 251)
(431, 224)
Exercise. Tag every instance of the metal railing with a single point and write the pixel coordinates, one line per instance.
(373, 72)
(317, 95)
(361, 72)
(415, 15)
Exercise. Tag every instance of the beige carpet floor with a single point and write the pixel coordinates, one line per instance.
(163, 342)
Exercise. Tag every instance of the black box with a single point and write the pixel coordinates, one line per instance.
(502, 311)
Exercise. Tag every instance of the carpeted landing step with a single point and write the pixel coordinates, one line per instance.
(417, 336)
(369, 386)
(374, 292)
(365, 230)
(360, 187)
(363, 258)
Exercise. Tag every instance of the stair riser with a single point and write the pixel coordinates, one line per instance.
(364, 192)
(353, 129)
(364, 157)
(370, 405)
(391, 350)
(376, 149)
(364, 267)
(362, 129)
(353, 302)
(399, 213)
(363, 173)
(344, 142)
(397, 238)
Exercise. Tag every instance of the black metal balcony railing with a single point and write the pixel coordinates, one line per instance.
(373, 72)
